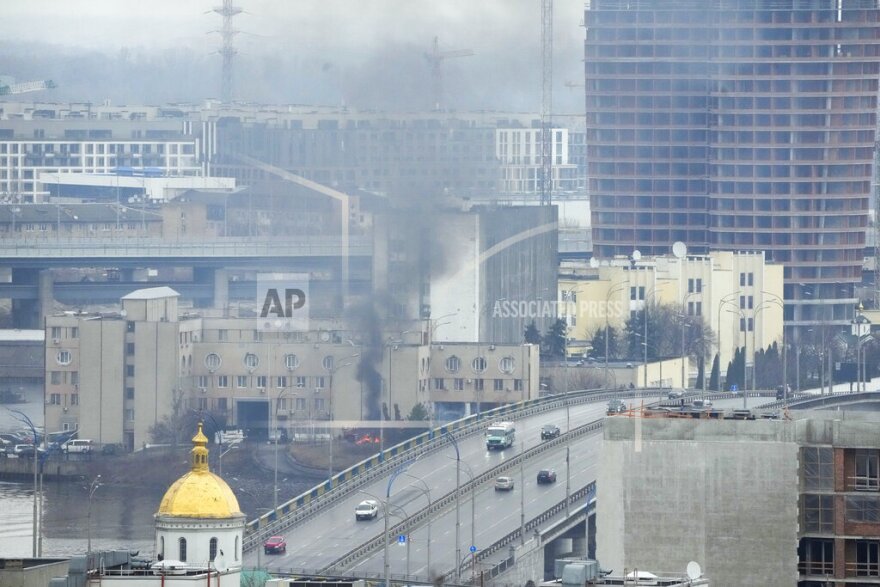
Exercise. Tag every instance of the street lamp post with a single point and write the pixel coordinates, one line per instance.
(220, 458)
(332, 368)
(22, 417)
(275, 427)
(684, 315)
(725, 300)
(457, 504)
(427, 492)
(744, 327)
(617, 287)
(93, 487)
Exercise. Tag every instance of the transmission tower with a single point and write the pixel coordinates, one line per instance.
(546, 102)
(227, 52)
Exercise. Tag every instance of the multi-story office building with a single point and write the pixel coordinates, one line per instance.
(113, 376)
(738, 295)
(741, 126)
(766, 502)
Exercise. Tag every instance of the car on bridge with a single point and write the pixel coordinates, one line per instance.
(366, 510)
(549, 431)
(546, 476)
(275, 545)
(615, 406)
(504, 484)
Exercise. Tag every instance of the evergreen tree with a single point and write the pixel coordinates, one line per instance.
(714, 377)
(531, 334)
(598, 343)
(554, 340)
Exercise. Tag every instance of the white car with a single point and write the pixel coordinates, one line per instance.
(504, 484)
(366, 510)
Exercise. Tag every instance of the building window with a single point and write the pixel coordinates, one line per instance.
(55, 399)
(862, 508)
(56, 332)
(236, 548)
(63, 358)
(499, 385)
(261, 382)
(222, 335)
(478, 385)
(223, 381)
(866, 476)
(479, 364)
(203, 381)
(328, 362)
(517, 385)
(241, 381)
(319, 404)
(213, 361)
(300, 404)
(319, 382)
(281, 381)
(181, 549)
(300, 381)
(291, 362)
(129, 348)
(453, 364)
(129, 415)
(74, 399)
(202, 404)
(458, 384)
(507, 365)
(74, 377)
(55, 377)
(129, 393)
(818, 512)
(438, 384)
(695, 285)
(251, 361)
(221, 404)
(212, 549)
(129, 370)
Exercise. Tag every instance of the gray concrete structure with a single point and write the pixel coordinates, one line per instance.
(722, 493)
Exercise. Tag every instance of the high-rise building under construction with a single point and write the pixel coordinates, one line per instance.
(737, 125)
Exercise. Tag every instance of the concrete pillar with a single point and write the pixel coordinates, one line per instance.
(204, 276)
(221, 289)
(46, 296)
(25, 312)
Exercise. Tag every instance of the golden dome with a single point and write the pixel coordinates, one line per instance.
(199, 493)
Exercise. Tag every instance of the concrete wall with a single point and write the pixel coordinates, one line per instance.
(102, 380)
(722, 493)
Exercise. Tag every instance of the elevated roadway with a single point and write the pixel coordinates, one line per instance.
(331, 541)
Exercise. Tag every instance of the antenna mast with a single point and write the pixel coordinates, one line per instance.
(227, 34)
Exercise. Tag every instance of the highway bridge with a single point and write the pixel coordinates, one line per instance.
(416, 485)
(345, 267)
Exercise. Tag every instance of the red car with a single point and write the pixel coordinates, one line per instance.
(275, 545)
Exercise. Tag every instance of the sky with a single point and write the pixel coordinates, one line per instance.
(367, 53)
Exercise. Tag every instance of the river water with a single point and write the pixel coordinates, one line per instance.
(122, 517)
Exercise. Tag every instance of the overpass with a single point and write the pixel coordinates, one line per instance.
(420, 478)
(32, 288)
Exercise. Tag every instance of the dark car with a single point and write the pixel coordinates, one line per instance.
(615, 406)
(546, 476)
(549, 431)
(275, 545)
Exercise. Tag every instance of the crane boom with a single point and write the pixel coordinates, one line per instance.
(435, 58)
(26, 87)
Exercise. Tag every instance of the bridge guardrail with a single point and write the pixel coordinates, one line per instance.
(406, 526)
(320, 497)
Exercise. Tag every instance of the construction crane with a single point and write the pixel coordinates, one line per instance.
(435, 58)
(7, 90)
(546, 102)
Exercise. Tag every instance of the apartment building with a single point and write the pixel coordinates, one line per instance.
(113, 376)
(779, 502)
(739, 295)
(737, 126)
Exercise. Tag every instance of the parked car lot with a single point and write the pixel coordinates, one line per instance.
(26, 450)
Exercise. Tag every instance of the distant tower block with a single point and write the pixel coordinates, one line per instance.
(228, 11)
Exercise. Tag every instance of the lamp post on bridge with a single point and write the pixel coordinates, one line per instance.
(23, 418)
